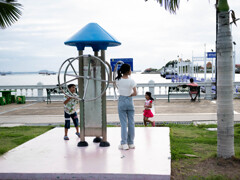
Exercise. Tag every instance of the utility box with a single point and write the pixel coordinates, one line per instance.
(21, 99)
(7, 96)
(2, 101)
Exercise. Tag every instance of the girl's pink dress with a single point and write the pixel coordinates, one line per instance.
(147, 112)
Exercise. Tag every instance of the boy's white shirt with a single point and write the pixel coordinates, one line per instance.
(70, 107)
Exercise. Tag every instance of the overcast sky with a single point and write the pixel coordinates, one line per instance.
(149, 34)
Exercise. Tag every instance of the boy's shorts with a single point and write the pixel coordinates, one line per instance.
(67, 119)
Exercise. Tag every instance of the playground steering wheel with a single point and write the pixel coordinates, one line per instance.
(92, 60)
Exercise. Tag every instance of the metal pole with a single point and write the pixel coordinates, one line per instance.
(104, 142)
(178, 66)
(81, 92)
(212, 68)
(205, 66)
(197, 71)
(94, 72)
(98, 138)
(216, 49)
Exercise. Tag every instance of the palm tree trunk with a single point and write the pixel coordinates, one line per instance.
(225, 144)
(225, 116)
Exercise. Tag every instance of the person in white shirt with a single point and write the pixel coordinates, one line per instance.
(127, 89)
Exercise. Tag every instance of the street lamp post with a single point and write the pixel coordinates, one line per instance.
(216, 49)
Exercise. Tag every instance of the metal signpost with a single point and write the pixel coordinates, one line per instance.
(114, 61)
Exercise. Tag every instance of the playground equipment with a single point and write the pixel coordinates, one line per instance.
(93, 75)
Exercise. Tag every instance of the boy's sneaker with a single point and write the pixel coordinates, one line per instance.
(131, 146)
(123, 147)
(78, 134)
(66, 138)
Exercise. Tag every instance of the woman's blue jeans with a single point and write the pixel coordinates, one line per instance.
(126, 116)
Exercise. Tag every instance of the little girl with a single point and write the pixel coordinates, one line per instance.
(127, 89)
(147, 113)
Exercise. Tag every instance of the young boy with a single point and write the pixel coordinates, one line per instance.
(70, 111)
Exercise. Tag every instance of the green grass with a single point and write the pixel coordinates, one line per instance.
(216, 177)
(197, 140)
(10, 137)
(191, 140)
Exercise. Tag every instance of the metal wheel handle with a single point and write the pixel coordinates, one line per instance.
(69, 63)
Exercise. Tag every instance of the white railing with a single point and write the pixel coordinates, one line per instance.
(159, 90)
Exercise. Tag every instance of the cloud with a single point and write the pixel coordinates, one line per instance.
(149, 34)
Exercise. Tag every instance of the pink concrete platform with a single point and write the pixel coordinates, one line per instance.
(48, 156)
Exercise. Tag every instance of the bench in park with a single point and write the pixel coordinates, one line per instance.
(50, 91)
(183, 90)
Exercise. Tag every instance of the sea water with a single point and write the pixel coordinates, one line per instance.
(34, 79)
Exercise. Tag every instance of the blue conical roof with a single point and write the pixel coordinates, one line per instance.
(92, 35)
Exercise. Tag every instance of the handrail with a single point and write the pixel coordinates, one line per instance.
(159, 90)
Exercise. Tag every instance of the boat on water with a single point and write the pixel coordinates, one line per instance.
(46, 72)
(5, 73)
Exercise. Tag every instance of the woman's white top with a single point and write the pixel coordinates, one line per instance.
(125, 86)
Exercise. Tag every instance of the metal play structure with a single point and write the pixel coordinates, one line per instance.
(93, 75)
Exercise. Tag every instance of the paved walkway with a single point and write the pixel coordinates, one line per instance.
(48, 156)
(177, 111)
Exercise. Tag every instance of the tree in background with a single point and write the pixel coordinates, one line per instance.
(225, 116)
(172, 63)
(9, 12)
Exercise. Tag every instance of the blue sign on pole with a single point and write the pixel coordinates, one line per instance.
(211, 54)
(114, 61)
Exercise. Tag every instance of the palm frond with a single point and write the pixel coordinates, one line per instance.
(170, 5)
(234, 19)
(9, 12)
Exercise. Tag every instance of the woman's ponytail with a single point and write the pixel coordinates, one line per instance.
(119, 74)
(125, 68)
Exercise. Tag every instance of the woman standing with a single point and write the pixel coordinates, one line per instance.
(127, 89)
